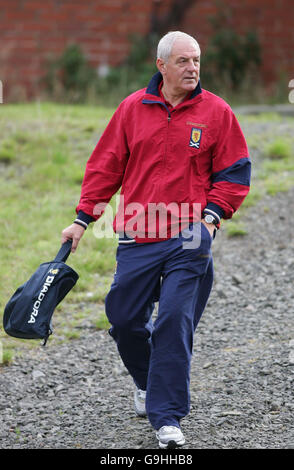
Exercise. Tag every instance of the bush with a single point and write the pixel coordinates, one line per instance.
(133, 74)
(70, 77)
(231, 59)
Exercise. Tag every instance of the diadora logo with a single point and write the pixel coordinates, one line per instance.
(54, 271)
(195, 137)
(42, 294)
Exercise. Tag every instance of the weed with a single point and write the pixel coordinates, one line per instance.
(6, 357)
(276, 185)
(235, 229)
(102, 323)
(6, 156)
(280, 148)
(69, 77)
(72, 334)
(7, 151)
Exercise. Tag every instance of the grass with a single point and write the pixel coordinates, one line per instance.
(7, 151)
(235, 229)
(273, 169)
(43, 152)
(102, 323)
(279, 149)
(6, 356)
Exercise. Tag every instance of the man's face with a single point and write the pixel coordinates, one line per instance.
(181, 72)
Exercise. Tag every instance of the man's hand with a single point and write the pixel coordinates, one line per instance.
(210, 227)
(74, 232)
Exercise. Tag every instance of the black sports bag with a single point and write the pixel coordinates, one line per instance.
(28, 313)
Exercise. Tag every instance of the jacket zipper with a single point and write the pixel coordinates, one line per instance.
(166, 140)
(168, 121)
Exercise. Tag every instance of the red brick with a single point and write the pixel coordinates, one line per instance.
(31, 30)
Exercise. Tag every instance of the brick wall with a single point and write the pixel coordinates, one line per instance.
(33, 31)
(272, 20)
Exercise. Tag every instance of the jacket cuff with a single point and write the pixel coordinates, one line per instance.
(215, 210)
(85, 217)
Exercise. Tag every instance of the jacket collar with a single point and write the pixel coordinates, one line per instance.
(155, 81)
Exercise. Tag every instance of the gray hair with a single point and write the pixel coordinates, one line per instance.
(166, 43)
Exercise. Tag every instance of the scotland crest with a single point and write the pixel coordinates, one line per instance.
(195, 137)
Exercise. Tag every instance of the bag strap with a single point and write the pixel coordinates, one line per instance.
(64, 251)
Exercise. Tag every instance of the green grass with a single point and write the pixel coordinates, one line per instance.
(43, 152)
(102, 323)
(6, 356)
(280, 148)
(277, 170)
(44, 148)
(274, 170)
(235, 229)
(7, 151)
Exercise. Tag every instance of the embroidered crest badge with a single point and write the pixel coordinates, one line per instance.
(195, 137)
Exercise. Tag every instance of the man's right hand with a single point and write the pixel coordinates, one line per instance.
(74, 232)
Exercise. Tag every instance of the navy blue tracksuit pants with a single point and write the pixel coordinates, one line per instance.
(178, 273)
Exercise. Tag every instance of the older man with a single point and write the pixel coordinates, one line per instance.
(175, 146)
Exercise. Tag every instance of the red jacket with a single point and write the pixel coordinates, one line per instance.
(192, 153)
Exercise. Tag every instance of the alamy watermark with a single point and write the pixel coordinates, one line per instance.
(154, 220)
(291, 94)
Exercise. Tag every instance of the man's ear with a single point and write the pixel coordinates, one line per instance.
(161, 66)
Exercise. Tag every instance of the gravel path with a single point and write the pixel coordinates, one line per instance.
(78, 394)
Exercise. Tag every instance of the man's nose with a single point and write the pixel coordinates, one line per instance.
(192, 65)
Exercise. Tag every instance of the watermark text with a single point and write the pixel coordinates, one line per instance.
(291, 94)
(150, 221)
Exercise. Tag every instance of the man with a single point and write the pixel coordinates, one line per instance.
(177, 146)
